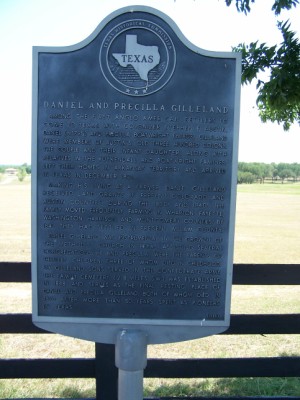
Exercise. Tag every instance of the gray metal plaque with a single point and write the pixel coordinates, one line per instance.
(134, 176)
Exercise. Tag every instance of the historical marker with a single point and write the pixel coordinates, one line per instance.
(134, 182)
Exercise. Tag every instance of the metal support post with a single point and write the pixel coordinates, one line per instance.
(131, 359)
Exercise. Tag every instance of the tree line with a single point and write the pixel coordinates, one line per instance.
(259, 172)
(248, 172)
(21, 170)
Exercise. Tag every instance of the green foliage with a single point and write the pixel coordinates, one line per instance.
(24, 166)
(21, 174)
(246, 177)
(286, 171)
(278, 6)
(253, 172)
(241, 5)
(27, 168)
(278, 97)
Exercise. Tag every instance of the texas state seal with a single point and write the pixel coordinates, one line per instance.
(137, 57)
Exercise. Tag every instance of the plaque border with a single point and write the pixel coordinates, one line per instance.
(105, 330)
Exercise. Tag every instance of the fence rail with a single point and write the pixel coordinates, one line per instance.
(243, 274)
(102, 366)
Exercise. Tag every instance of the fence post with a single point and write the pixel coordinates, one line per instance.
(106, 372)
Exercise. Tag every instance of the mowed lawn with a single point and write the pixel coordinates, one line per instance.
(15, 220)
(267, 223)
(267, 231)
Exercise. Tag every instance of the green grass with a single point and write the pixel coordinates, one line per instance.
(267, 231)
(224, 387)
(48, 388)
(267, 224)
(290, 188)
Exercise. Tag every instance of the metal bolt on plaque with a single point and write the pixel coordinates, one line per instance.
(134, 185)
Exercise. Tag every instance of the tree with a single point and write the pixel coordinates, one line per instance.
(256, 170)
(267, 171)
(27, 168)
(296, 170)
(245, 177)
(253, 172)
(21, 174)
(285, 173)
(278, 97)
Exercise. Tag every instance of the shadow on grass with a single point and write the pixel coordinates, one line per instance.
(157, 388)
(225, 387)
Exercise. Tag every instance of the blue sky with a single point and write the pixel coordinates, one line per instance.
(208, 24)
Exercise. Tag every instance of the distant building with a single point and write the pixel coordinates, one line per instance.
(11, 171)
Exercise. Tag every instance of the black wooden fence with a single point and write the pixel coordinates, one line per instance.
(102, 366)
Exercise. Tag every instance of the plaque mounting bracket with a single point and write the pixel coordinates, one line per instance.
(131, 360)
